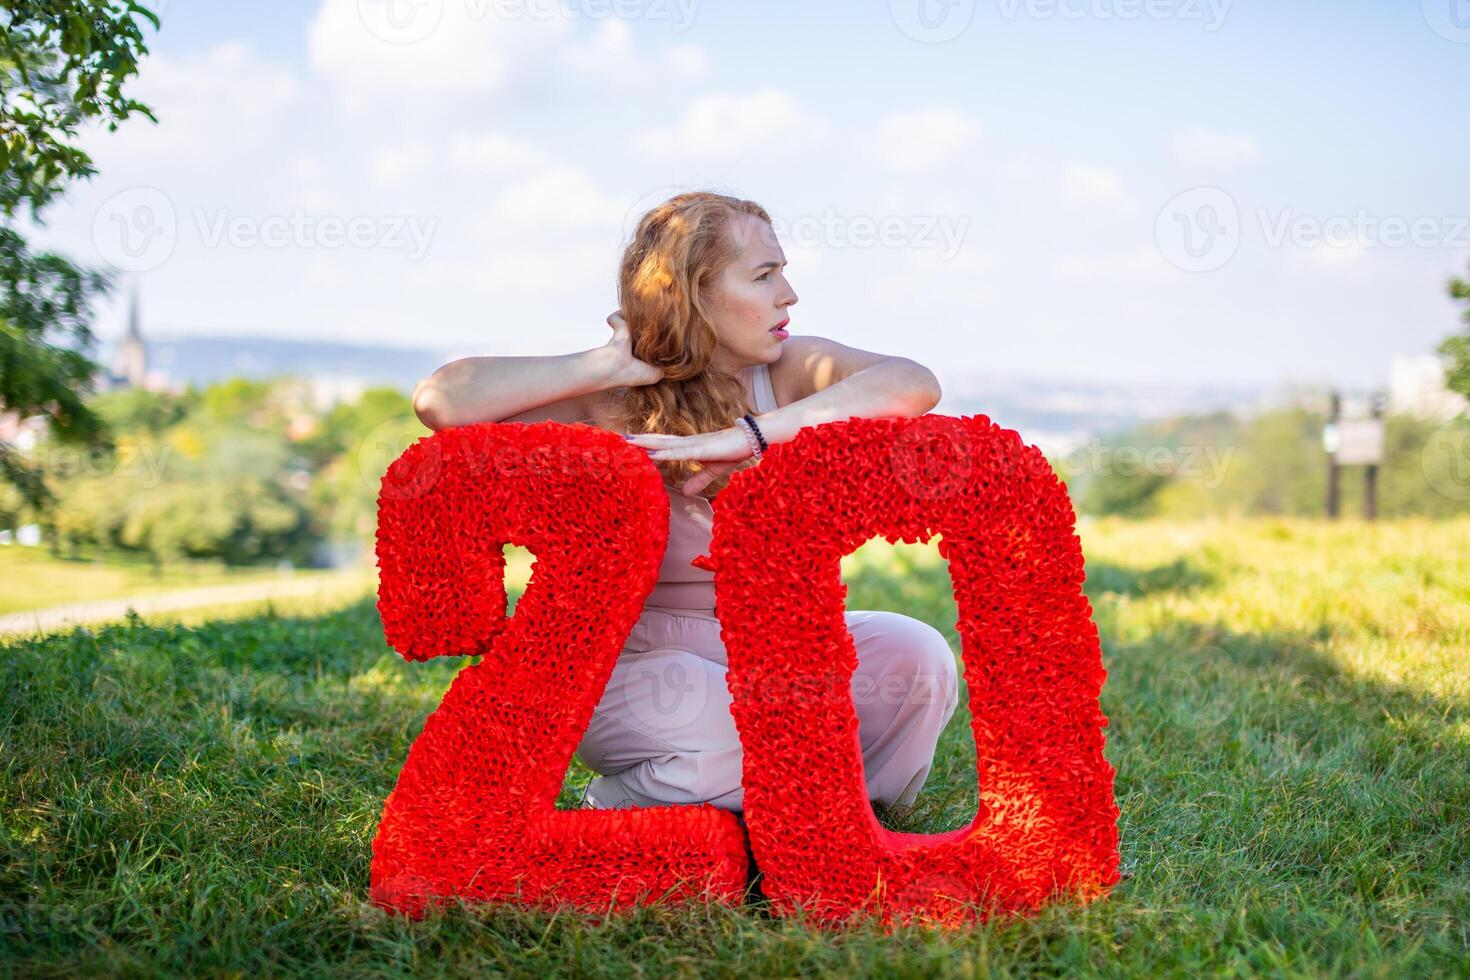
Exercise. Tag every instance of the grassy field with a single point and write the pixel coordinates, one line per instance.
(1288, 705)
(35, 580)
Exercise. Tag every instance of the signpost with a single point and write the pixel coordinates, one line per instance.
(1354, 439)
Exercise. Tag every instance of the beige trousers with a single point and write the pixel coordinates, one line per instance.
(663, 734)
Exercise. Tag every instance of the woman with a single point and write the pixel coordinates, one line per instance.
(700, 339)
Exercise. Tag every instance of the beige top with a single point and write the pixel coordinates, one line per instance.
(681, 586)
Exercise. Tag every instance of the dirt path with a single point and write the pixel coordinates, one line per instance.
(53, 618)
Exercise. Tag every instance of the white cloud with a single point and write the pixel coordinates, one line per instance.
(728, 125)
(493, 153)
(961, 278)
(687, 59)
(1338, 253)
(609, 55)
(209, 105)
(376, 49)
(442, 53)
(306, 166)
(1202, 147)
(520, 271)
(562, 196)
(922, 140)
(316, 200)
(391, 163)
(1092, 185)
(1144, 266)
(326, 272)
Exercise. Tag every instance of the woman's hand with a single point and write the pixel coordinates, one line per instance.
(627, 370)
(722, 452)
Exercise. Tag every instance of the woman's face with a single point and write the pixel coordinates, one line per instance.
(751, 296)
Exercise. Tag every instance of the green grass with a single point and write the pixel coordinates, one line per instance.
(35, 580)
(1288, 705)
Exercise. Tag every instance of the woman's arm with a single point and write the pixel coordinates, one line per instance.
(894, 387)
(492, 389)
(489, 389)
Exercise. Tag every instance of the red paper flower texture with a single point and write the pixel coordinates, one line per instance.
(473, 815)
(1047, 820)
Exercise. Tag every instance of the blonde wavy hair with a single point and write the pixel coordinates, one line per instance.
(665, 282)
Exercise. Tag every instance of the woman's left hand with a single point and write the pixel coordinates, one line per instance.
(722, 450)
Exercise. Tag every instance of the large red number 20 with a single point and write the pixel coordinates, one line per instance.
(473, 814)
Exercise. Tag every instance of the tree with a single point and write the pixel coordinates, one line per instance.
(1457, 348)
(61, 62)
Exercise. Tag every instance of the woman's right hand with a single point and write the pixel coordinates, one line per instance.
(627, 370)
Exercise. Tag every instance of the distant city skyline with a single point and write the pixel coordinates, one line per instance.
(1057, 415)
(1199, 193)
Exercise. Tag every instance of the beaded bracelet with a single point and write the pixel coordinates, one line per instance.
(755, 446)
(757, 442)
(750, 421)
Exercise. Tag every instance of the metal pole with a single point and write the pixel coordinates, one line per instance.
(1332, 488)
(1370, 476)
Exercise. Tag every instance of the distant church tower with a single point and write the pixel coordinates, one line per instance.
(130, 363)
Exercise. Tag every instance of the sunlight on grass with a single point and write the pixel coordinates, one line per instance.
(35, 580)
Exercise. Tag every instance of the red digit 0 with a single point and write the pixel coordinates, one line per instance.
(473, 812)
(1047, 820)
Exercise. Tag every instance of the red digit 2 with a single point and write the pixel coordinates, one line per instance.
(473, 812)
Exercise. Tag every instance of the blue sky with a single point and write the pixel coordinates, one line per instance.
(1139, 190)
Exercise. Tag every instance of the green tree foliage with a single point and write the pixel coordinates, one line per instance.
(137, 410)
(62, 62)
(208, 473)
(238, 400)
(359, 441)
(244, 471)
(349, 424)
(240, 521)
(1457, 347)
(1272, 463)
